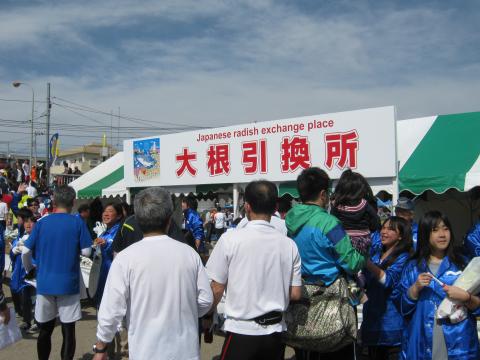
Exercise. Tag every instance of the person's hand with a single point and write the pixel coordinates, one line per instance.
(207, 323)
(456, 293)
(423, 280)
(5, 315)
(197, 243)
(100, 241)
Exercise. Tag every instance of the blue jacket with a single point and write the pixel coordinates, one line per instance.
(107, 259)
(461, 339)
(472, 242)
(194, 224)
(382, 323)
(325, 248)
(17, 281)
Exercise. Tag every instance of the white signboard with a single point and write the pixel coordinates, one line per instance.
(363, 140)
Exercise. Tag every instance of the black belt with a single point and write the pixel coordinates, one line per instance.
(273, 317)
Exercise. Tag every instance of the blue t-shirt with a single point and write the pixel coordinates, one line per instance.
(56, 241)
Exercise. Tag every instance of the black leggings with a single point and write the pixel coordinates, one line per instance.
(345, 353)
(44, 342)
(27, 293)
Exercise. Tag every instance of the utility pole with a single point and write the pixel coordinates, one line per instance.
(118, 130)
(49, 106)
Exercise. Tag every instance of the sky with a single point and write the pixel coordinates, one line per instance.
(170, 66)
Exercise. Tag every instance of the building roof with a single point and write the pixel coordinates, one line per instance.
(93, 148)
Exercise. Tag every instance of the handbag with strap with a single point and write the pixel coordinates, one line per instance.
(323, 320)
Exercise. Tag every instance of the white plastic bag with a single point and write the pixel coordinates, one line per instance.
(469, 281)
(10, 333)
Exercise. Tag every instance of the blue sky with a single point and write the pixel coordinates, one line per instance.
(215, 63)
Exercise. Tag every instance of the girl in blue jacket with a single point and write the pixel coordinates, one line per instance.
(383, 325)
(419, 295)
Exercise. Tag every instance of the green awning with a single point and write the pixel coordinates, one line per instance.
(96, 188)
(206, 188)
(446, 156)
(288, 187)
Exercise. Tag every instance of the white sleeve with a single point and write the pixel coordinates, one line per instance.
(27, 259)
(297, 268)
(114, 302)
(217, 265)
(204, 291)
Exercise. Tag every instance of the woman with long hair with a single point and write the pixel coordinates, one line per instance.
(112, 217)
(382, 324)
(426, 280)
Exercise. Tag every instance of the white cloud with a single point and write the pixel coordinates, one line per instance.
(255, 61)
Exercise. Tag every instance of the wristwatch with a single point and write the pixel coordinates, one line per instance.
(96, 350)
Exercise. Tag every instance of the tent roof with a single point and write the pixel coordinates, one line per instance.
(439, 153)
(91, 184)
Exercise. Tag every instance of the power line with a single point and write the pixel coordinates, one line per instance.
(91, 109)
(22, 101)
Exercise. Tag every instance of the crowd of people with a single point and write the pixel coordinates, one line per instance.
(160, 281)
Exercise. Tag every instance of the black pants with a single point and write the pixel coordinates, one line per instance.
(252, 347)
(27, 293)
(218, 233)
(384, 352)
(17, 303)
(345, 353)
(209, 227)
(44, 341)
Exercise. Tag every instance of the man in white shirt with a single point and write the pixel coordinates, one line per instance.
(219, 222)
(26, 168)
(262, 269)
(275, 220)
(32, 190)
(160, 285)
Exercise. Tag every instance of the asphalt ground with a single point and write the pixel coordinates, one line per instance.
(26, 348)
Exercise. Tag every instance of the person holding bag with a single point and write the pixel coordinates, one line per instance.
(428, 279)
(326, 253)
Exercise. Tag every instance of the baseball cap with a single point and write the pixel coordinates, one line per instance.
(405, 204)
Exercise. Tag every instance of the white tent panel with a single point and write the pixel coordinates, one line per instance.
(117, 189)
(99, 172)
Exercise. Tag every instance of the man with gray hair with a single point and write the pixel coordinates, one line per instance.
(159, 284)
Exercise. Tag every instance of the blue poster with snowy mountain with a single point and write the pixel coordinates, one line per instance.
(146, 159)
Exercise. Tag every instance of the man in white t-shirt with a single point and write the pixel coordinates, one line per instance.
(276, 222)
(159, 284)
(26, 168)
(32, 190)
(219, 222)
(262, 269)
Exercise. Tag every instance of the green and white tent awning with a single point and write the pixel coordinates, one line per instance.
(439, 153)
(106, 175)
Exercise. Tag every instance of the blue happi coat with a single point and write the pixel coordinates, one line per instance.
(461, 339)
(194, 224)
(17, 280)
(107, 259)
(472, 241)
(382, 322)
